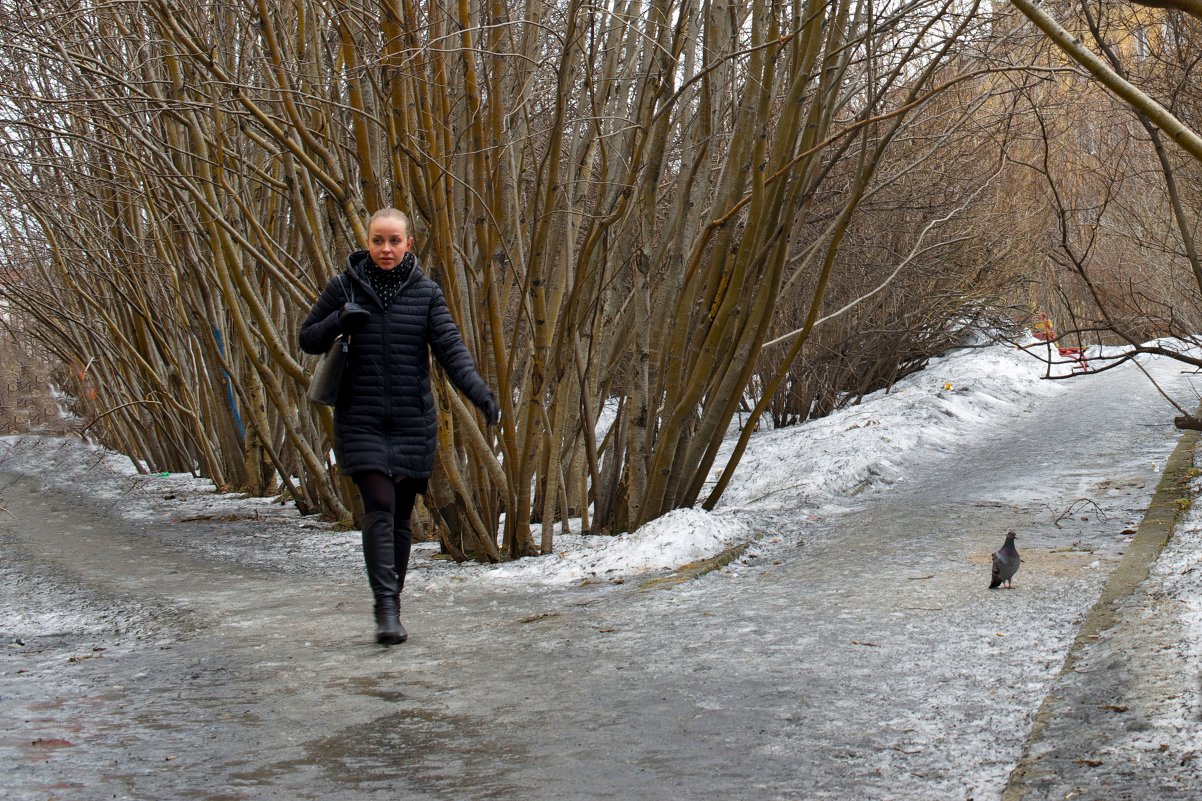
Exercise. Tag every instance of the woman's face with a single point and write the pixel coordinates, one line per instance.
(388, 241)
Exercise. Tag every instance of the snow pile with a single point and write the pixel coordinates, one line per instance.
(922, 416)
(679, 537)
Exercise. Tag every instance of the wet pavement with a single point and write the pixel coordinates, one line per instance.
(852, 657)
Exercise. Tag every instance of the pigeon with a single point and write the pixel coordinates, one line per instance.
(1005, 563)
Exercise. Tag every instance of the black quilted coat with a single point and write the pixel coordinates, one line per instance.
(384, 418)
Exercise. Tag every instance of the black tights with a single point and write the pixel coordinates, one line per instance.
(383, 495)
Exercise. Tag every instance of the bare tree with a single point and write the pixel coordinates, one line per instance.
(624, 202)
(1125, 264)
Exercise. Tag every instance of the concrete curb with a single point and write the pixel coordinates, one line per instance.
(1151, 537)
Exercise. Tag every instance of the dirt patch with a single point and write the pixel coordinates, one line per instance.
(1056, 562)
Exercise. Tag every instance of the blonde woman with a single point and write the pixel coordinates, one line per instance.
(385, 430)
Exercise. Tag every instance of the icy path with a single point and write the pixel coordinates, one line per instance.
(853, 657)
(870, 663)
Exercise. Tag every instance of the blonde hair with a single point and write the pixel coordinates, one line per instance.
(392, 214)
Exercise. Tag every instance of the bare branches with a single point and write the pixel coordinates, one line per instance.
(1188, 139)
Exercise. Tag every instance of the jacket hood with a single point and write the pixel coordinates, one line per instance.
(357, 260)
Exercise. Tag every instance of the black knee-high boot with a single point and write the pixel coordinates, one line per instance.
(402, 538)
(402, 529)
(379, 554)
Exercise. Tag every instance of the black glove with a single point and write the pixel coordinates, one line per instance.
(352, 316)
(492, 411)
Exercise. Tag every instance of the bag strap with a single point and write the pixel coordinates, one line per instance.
(348, 292)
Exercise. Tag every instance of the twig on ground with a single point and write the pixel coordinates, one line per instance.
(1077, 506)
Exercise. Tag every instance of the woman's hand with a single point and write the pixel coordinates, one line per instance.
(492, 411)
(352, 317)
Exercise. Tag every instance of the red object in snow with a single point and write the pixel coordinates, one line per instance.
(1078, 355)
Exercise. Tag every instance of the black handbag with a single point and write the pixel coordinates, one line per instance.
(327, 378)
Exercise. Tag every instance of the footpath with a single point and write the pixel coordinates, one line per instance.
(1094, 737)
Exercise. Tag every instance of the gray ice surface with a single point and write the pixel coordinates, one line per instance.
(855, 657)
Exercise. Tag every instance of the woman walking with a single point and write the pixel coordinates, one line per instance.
(385, 429)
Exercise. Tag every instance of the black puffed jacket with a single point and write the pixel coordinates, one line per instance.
(384, 418)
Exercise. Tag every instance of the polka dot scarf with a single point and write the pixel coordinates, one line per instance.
(387, 283)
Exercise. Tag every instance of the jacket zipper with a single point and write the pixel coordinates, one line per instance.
(387, 383)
